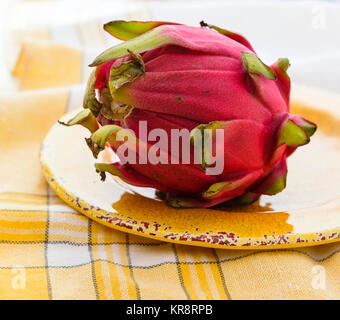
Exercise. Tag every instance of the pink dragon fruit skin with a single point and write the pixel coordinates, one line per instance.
(176, 76)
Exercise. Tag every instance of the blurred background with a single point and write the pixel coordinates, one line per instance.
(36, 37)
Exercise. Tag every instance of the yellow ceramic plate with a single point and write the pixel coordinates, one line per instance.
(306, 213)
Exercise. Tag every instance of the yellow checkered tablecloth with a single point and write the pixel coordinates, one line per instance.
(49, 251)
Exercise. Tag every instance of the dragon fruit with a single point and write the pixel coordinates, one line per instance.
(171, 76)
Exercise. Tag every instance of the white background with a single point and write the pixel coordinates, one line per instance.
(307, 32)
